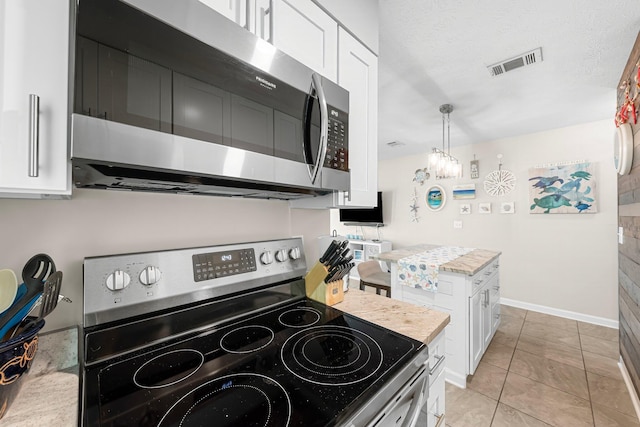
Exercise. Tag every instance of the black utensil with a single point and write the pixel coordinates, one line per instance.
(38, 269)
(49, 298)
(35, 271)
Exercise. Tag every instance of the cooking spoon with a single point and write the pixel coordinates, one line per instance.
(38, 269)
(8, 289)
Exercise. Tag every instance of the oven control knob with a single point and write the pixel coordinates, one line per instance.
(150, 275)
(294, 253)
(266, 258)
(281, 255)
(118, 280)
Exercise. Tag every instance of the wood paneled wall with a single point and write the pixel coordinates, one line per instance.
(629, 251)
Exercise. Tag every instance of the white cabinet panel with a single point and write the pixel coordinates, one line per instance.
(435, 407)
(358, 73)
(34, 60)
(259, 19)
(476, 303)
(235, 10)
(304, 31)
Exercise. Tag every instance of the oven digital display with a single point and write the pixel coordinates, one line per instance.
(221, 264)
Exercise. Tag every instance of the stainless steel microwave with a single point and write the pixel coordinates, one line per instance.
(170, 96)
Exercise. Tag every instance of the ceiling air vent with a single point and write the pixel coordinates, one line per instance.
(527, 58)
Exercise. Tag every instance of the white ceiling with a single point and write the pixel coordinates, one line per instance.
(434, 52)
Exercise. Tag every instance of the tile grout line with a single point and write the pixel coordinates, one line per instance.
(509, 370)
(586, 377)
(508, 367)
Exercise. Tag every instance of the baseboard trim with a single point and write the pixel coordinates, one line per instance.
(456, 379)
(609, 323)
(630, 388)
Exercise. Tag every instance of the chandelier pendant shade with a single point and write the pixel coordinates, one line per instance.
(441, 163)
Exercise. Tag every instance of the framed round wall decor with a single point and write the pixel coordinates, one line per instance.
(499, 182)
(436, 198)
(623, 148)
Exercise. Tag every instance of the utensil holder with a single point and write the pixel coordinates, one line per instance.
(16, 356)
(316, 289)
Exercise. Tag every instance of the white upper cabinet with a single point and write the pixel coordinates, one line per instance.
(236, 10)
(253, 15)
(305, 32)
(259, 19)
(34, 98)
(358, 73)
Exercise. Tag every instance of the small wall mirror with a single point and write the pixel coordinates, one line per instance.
(436, 198)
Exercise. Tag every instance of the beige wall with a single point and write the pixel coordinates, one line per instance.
(97, 222)
(563, 262)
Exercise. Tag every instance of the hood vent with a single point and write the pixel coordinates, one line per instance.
(527, 58)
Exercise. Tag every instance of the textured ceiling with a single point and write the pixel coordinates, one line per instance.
(434, 52)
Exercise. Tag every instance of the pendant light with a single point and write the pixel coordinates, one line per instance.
(442, 164)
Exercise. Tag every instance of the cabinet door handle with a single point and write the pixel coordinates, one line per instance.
(488, 273)
(34, 134)
(440, 419)
(438, 363)
(265, 12)
(486, 297)
(477, 281)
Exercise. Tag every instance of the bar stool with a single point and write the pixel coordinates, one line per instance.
(372, 275)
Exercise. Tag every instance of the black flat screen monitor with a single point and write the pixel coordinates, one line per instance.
(365, 215)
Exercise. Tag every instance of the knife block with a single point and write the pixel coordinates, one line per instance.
(317, 290)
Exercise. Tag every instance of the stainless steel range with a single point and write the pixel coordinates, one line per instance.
(224, 336)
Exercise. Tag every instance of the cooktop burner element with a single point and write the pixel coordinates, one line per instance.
(332, 355)
(246, 339)
(300, 317)
(168, 369)
(232, 400)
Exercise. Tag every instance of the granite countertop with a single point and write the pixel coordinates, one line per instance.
(468, 264)
(49, 392)
(414, 321)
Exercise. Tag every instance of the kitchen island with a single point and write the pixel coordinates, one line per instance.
(463, 282)
(49, 395)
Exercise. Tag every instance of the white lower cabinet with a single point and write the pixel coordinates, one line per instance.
(473, 304)
(434, 409)
(483, 306)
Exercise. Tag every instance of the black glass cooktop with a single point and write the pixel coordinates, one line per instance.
(302, 364)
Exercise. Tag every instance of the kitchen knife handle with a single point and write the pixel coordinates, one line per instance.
(329, 250)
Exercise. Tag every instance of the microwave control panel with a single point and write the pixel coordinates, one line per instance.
(337, 146)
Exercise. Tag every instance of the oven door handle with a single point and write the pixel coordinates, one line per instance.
(416, 405)
(314, 167)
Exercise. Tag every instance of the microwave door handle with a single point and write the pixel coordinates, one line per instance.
(316, 85)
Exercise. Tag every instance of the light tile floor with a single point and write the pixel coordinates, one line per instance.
(543, 370)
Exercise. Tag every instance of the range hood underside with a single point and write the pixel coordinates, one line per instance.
(99, 175)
